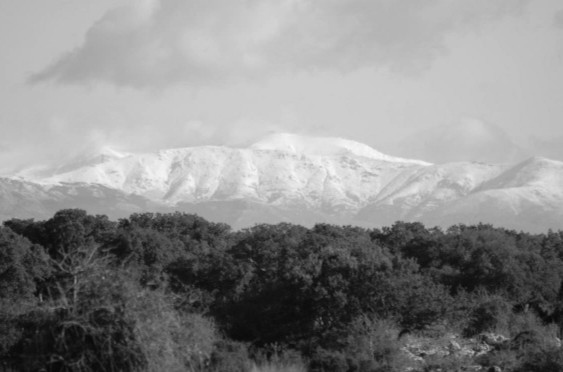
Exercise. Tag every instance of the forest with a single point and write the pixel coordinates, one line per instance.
(174, 292)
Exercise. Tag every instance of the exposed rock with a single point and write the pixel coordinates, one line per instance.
(492, 339)
(480, 349)
(454, 347)
(428, 353)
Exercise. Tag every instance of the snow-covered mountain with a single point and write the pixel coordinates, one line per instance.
(286, 177)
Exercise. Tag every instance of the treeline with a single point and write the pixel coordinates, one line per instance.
(174, 292)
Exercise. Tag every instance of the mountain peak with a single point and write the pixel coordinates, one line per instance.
(323, 146)
(111, 153)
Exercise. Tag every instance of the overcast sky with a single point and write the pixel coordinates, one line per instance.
(140, 75)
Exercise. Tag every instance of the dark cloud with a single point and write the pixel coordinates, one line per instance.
(161, 42)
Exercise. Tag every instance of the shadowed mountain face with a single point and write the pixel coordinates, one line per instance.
(296, 179)
(468, 140)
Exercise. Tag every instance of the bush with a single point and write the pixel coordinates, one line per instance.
(10, 331)
(280, 361)
(507, 360)
(171, 341)
(367, 344)
(88, 331)
(230, 356)
(530, 322)
(328, 360)
(550, 360)
(533, 349)
(58, 340)
(532, 359)
(491, 314)
(112, 324)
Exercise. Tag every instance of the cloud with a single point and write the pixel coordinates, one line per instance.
(52, 141)
(551, 147)
(468, 139)
(155, 43)
(558, 19)
(240, 132)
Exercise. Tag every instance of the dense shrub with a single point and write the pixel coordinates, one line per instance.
(491, 314)
(550, 360)
(276, 358)
(22, 266)
(170, 340)
(155, 291)
(230, 356)
(323, 360)
(366, 344)
(57, 340)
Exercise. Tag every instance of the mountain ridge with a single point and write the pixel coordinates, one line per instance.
(288, 177)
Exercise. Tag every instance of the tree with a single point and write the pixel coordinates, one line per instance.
(22, 265)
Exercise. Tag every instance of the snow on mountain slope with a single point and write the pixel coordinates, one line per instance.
(306, 180)
(440, 183)
(280, 170)
(324, 146)
(86, 159)
(537, 173)
(528, 195)
(531, 190)
(413, 195)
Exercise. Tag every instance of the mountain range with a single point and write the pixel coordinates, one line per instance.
(286, 177)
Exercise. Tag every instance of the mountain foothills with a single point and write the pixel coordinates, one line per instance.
(285, 177)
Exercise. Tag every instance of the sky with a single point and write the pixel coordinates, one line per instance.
(142, 75)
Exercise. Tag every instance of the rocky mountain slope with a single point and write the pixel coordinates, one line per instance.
(298, 179)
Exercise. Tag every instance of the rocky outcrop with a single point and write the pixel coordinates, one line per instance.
(454, 353)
